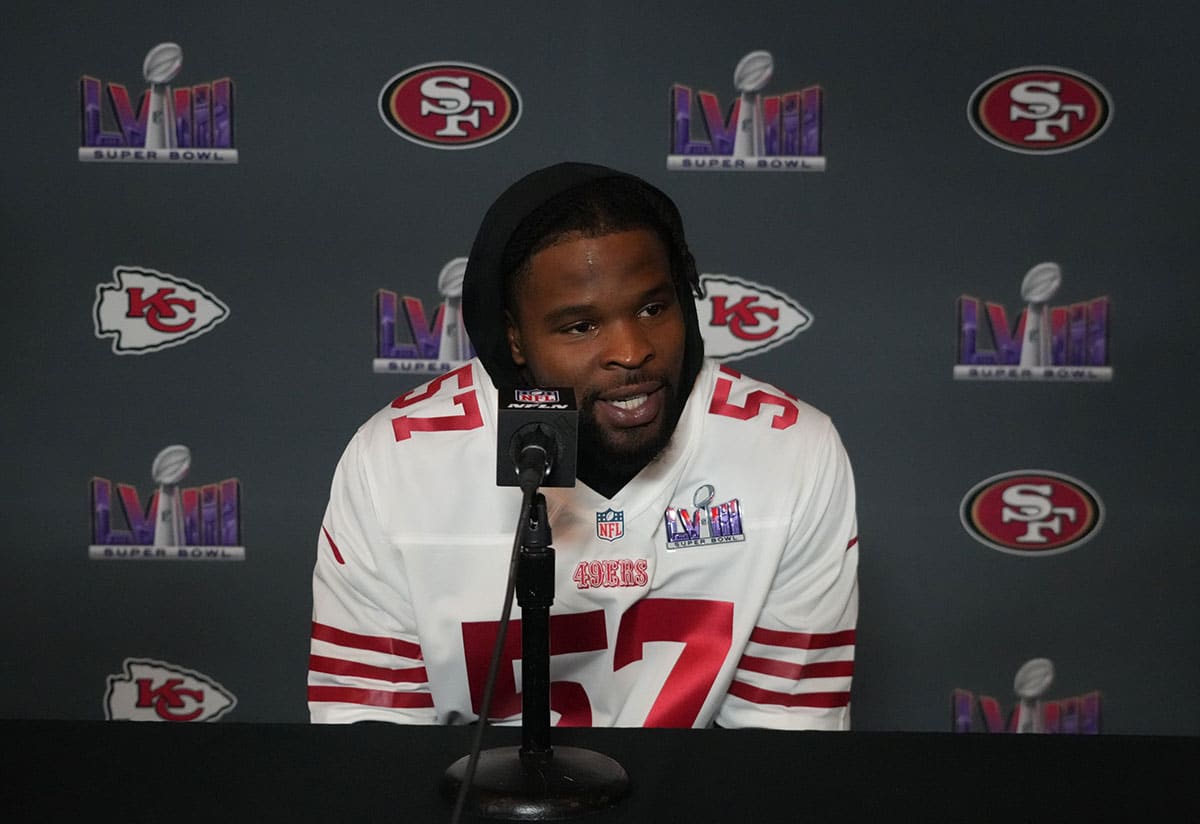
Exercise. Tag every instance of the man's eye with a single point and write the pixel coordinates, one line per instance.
(653, 310)
(579, 328)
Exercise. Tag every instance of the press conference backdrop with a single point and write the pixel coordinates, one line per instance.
(967, 231)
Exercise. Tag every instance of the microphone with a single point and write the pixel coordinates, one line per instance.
(537, 432)
(536, 438)
(535, 450)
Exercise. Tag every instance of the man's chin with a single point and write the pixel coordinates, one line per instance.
(619, 453)
(630, 446)
(623, 452)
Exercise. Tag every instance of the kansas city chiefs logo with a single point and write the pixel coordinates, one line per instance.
(144, 310)
(739, 318)
(157, 691)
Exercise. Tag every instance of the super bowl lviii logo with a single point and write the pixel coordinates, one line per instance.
(407, 341)
(1031, 512)
(705, 523)
(149, 690)
(778, 132)
(1068, 342)
(196, 523)
(1033, 712)
(1040, 110)
(143, 310)
(171, 124)
(450, 105)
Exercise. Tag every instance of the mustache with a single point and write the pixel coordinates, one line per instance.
(632, 379)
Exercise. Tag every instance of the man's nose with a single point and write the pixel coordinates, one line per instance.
(629, 346)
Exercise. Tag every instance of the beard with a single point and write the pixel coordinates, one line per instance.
(609, 460)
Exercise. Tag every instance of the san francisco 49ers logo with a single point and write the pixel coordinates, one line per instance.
(450, 105)
(1031, 512)
(1040, 110)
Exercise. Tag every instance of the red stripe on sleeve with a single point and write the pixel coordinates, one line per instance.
(785, 669)
(337, 556)
(338, 666)
(821, 700)
(803, 640)
(371, 698)
(392, 646)
(853, 541)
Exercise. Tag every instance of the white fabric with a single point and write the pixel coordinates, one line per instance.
(754, 629)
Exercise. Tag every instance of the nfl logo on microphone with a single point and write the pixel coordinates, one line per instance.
(537, 396)
(610, 525)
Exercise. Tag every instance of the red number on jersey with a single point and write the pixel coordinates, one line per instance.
(754, 403)
(582, 632)
(706, 630)
(404, 425)
(704, 627)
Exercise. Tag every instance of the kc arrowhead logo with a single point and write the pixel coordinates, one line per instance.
(157, 691)
(144, 310)
(739, 318)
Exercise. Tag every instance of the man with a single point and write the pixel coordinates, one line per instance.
(706, 561)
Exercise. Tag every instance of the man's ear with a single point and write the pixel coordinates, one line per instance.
(514, 339)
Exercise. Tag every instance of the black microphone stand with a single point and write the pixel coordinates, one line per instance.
(537, 782)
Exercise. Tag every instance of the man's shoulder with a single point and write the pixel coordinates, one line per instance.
(735, 401)
(438, 413)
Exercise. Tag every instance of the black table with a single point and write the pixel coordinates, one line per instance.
(229, 772)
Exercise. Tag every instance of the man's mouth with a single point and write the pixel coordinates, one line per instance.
(629, 403)
(631, 406)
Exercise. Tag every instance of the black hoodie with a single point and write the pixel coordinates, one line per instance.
(483, 283)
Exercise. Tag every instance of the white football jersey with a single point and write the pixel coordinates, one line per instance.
(718, 586)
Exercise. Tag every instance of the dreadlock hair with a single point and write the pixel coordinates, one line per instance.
(594, 208)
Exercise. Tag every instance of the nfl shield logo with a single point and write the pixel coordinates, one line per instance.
(610, 525)
(537, 396)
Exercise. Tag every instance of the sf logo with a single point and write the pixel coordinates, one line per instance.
(448, 97)
(1030, 504)
(161, 308)
(168, 700)
(1040, 102)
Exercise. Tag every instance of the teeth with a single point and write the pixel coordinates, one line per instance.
(630, 403)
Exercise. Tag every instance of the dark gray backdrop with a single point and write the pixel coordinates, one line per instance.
(327, 205)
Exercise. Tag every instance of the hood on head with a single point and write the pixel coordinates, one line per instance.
(483, 284)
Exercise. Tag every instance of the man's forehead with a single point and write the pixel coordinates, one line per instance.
(625, 247)
(633, 259)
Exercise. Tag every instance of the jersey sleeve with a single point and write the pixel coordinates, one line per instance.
(796, 669)
(365, 659)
